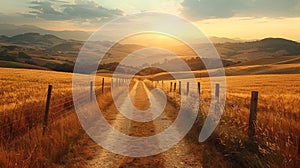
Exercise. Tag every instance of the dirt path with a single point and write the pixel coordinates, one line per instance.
(181, 155)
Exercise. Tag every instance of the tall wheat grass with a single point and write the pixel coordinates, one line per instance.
(278, 119)
(22, 106)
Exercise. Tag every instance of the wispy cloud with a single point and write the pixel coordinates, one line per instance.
(78, 11)
(204, 9)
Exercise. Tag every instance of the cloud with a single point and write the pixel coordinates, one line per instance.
(45, 10)
(205, 9)
(14, 19)
(89, 10)
(78, 11)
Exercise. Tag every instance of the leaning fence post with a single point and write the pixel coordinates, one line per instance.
(171, 86)
(253, 114)
(47, 109)
(102, 85)
(187, 88)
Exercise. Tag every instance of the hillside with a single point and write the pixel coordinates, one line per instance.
(13, 30)
(265, 48)
(37, 51)
(51, 52)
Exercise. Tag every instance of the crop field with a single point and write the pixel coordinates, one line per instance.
(278, 115)
(22, 107)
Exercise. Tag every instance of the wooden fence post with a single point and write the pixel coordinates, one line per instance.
(171, 86)
(217, 91)
(187, 88)
(91, 91)
(199, 88)
(253, 114)
(174, 86)
(102, 85)
(179, 87)
(299, 146)
(45, 124)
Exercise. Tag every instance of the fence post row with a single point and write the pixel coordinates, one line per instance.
(253, 114)
(47, 109)
(187, 88)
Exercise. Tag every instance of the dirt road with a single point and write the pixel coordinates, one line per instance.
(181, 155)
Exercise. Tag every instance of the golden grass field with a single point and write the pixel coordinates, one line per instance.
(278, 118)
(22, 106)
(23, 95)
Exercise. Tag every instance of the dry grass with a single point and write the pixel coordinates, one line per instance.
(22, 106)
(23, 96)
(278, 120)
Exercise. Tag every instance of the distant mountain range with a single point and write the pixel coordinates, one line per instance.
(13, 30)
(269, 47)
(217, 40)
(48, 51)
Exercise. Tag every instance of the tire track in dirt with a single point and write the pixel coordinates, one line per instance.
(178, 156)
(139, 129)
(181, 154)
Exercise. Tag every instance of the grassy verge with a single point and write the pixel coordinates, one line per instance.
(35, 150)
(229, 147)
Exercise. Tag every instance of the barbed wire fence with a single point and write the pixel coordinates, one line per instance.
(281, 131)
(55, 102)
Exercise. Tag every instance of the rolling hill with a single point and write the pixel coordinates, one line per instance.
(13, 30)
(38, 51)
(265, 48)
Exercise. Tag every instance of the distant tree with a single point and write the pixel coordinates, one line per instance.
(23, 55)
(4, 55)
(65, 67)
(30, 62)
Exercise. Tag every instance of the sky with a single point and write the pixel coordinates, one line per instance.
(243, 19)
